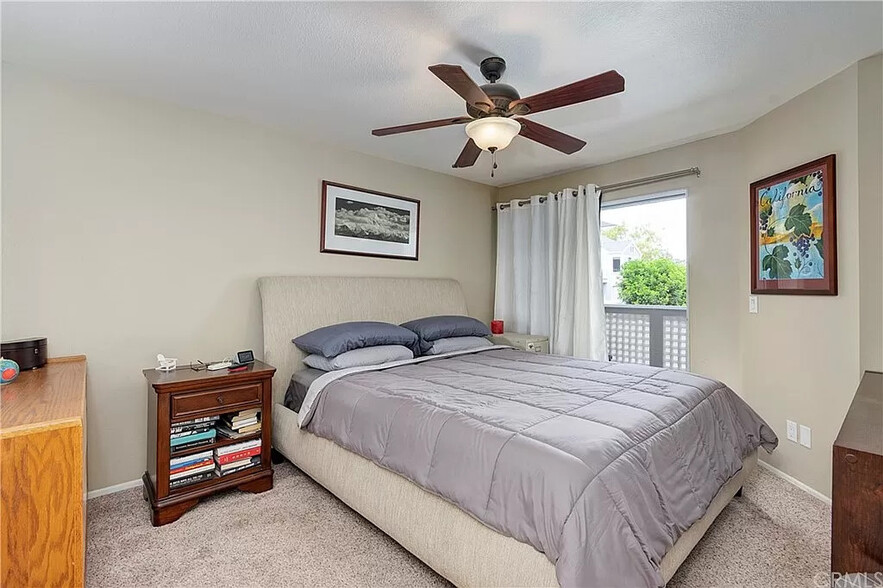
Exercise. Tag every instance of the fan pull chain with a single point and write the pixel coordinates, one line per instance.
(494, 161)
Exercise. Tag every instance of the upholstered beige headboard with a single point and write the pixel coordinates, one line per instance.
(294, 305)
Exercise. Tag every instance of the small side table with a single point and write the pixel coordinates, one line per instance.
(533, 343)
(183, 395)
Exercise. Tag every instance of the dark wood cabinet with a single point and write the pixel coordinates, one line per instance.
(857, 492)
(182, 395)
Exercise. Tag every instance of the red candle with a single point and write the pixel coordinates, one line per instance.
(497, 327)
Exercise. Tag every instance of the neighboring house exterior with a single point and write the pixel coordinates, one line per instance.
(614, 254)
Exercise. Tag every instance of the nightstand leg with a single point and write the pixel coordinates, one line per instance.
(169, 514)
(262, 484)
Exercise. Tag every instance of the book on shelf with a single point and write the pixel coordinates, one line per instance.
(188, 459)
(209, 434)
(243, 414)
(194, 424)
(228, 433)
(231, 457)
(175, 464)
(236, 447)
(240, 424)
(210, 466)
(242, 418)
(199, 429)
(192, 444)
(236, 466)
(245, 430)
(192, 479)
(191, 467)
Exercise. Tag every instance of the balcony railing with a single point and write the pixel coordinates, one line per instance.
(651, 335)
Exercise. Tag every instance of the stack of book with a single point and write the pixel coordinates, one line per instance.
(190, 469)
(194, 433)
(236, 457)
(240, 424)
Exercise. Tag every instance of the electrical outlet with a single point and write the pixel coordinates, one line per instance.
(752, 304)
(792, 431)
(805, 436)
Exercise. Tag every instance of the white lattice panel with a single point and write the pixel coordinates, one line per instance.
(628, 337)
(674, 338)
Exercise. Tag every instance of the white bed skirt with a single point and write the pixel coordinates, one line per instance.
(447, 539)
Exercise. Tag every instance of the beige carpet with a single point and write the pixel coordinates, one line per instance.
(300, 535)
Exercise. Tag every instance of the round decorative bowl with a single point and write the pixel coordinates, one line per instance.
(8, 370)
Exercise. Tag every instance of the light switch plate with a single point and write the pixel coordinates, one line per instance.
(805, 436)
(752, 304)
(792, 431)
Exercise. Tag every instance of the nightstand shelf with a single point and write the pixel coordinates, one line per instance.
(230, 480)
(533, 343)
(219, 443)
(183, 396)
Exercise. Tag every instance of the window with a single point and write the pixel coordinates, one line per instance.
(646, 303)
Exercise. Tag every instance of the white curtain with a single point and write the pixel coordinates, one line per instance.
(549, 271)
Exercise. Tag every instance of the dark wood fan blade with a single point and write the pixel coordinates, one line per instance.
(460, 82)
(550, 137)
(431, 124)
(469, 155)
(595, 87)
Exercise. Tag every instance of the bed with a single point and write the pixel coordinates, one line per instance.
(454, 543)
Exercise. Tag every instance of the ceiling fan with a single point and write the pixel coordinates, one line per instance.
(495, 110)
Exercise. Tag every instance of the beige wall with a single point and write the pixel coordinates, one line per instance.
(870, 182)
(131, 228)
(813, 370)
(799, 357)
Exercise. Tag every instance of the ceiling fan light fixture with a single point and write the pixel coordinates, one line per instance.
(493, 133)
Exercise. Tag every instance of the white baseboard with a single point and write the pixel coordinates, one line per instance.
(114, 488)
(794, 481)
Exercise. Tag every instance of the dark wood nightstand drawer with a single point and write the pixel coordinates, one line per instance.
(224, 399)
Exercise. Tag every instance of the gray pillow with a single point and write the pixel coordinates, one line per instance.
(457, 344)
(376, 355)
(333, 340)
(432, 328)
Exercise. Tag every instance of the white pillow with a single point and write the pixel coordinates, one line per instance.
(457, 344)
(376, 355)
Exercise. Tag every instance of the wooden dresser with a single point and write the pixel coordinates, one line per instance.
(857, 493)
(43, 476)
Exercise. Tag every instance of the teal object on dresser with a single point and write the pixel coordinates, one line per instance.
(8, 371)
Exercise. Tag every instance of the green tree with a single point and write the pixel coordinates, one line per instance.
(657, 281)
(616, 232)
(645, 239)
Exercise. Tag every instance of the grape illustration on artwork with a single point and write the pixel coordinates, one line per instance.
(790, 229)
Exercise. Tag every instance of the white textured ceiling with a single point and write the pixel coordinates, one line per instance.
(334, 71)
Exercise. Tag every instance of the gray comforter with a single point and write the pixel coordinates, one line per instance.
(600, 466)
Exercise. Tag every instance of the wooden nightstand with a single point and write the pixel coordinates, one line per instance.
(534, 343)
(185, 395)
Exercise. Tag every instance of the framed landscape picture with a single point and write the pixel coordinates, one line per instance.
(793, 231)
(356, 221)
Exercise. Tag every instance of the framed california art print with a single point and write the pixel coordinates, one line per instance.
(794, 231)
(356, 221)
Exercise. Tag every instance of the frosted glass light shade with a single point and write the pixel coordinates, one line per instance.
(493, 132)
